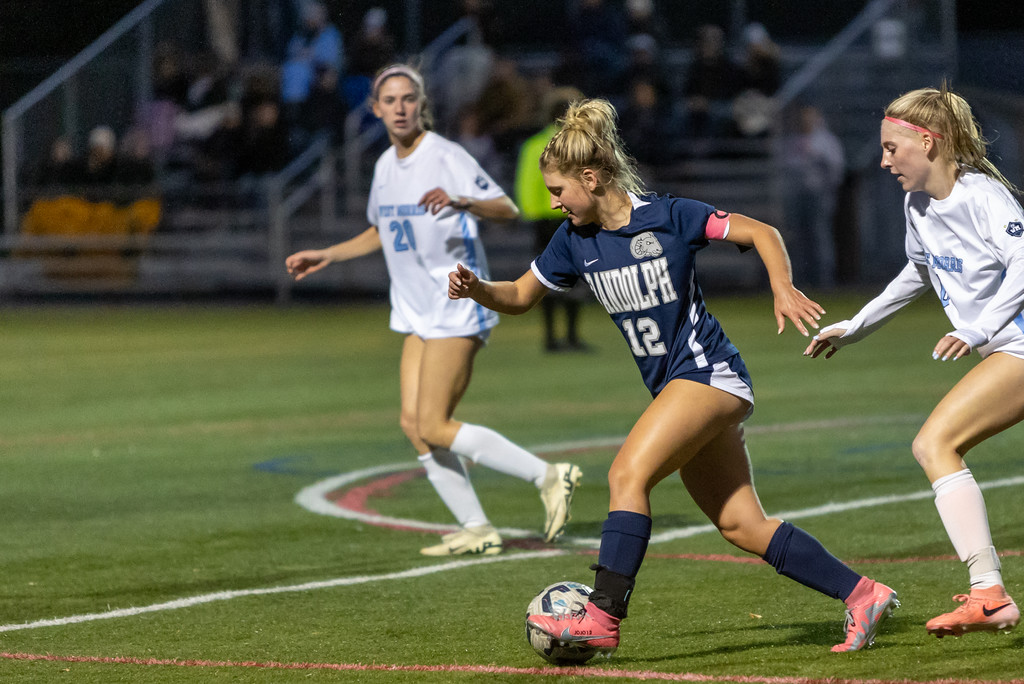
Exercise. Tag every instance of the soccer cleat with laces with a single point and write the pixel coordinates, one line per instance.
(556, 493)
(483, 540)
(589, 627)
(869, 604)
(983, 610)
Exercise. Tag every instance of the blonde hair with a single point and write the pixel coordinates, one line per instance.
(588, 139)
(949, 116)
(410, 72)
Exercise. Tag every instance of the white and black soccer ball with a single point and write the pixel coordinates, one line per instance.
(560, 598)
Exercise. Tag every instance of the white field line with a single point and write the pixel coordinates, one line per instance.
(313, 498)
(307, 586)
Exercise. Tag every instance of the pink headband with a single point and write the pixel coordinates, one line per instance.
(397, 70)
(919, 129)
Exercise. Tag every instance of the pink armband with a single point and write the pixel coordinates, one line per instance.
(718, 226)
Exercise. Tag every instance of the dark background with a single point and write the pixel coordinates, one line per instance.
(37, 36)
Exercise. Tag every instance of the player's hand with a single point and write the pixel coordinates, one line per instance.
(793, 304)
(950, 347)
(437, 199)
(461, 283)
(303, 263)
(825, 340)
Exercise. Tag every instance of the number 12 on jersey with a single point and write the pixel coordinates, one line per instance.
(644, 330)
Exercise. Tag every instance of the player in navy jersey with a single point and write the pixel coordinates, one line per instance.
(425, 199)
(636, 252)
(965, 240)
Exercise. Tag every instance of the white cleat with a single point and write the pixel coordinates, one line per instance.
(559, 486)
(482, 540)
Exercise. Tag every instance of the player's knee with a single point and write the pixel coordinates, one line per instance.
(926, 448)
(409, 427)
(752, 536)
(435, 433)
(624, 480)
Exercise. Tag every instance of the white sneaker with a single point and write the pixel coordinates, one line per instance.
(483, 540)
(559, 486)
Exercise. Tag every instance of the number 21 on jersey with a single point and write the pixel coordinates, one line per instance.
(404, 238)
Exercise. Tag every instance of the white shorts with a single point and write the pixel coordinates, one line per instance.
(446, 318)
(1009, 340)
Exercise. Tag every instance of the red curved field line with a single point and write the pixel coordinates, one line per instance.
(355, 498)
(487, 669)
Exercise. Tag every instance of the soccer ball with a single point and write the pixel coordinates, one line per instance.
(558, 599)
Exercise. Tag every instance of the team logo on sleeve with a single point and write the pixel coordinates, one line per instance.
(481, 182)
(1014, 229)
(645, 245)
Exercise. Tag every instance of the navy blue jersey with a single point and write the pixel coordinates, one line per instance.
(644, 275)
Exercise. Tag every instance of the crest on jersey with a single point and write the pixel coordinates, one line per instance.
(1014, 229)
(645, 245)
(481, 182)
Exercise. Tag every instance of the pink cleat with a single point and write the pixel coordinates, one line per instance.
(590, 627)
(869, 604)
(984, 610)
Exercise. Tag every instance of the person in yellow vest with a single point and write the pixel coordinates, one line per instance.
(534, 202)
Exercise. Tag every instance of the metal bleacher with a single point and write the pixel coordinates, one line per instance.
(215, 240)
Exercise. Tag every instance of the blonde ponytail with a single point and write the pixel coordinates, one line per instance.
(589, 139)
(948, 114)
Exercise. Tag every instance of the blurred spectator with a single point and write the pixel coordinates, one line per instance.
(317, 43)
(265, 28)
(209, 85)
(216, 155)
(643, 122)
(263, 144)
(101, 157)
(712, 83)
(812, 160)
(465, 68)
(645, 64)
(372, 49)
(479, 142)
(170, 82)
(324, 110)
(170, 96)
(643, 19)
(134, 165)
(762, 68)
(534, 203)
(222, 28)
(753, 108)
(60, 167)
(506, 107)
(598, 34)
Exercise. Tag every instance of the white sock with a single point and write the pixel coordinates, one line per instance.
(488, 448)
(451, 481)
(962, 509)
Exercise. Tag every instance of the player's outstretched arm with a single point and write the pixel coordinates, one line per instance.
(790, 302)
(494, 209)
(505, 296)
(309, 261)
(825, 341)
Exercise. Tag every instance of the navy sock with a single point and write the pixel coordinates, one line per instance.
(801, 557)
(624, 538)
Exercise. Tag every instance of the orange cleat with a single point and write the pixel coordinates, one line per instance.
(869, 604)
(589, 627)
(984, 610)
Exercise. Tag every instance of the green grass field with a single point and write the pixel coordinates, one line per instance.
(152, 455)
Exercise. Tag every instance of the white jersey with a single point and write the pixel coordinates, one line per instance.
(971, 244)
(420, 248)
